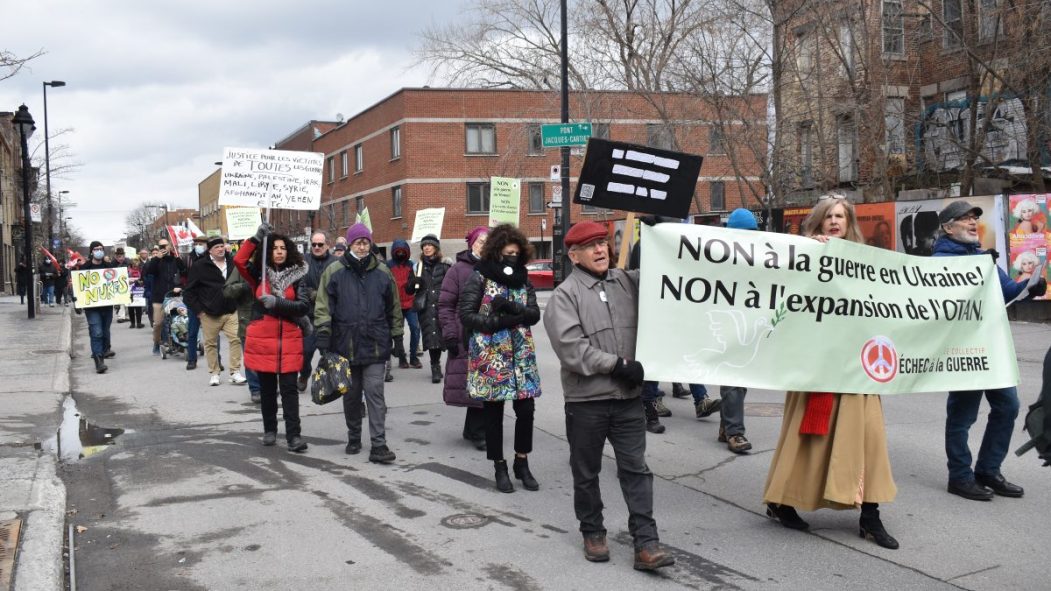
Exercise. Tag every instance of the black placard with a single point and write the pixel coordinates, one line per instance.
(636, 178)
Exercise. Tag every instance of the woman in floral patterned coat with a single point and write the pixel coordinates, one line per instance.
(497, 307)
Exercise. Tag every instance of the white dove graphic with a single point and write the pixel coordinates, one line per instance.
(733, 344)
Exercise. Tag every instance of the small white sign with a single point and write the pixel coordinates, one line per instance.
(556, 194)
(278, 179)
(556, 172)
(242, 222)
(543, 223)
(34, 213)
(428, 221)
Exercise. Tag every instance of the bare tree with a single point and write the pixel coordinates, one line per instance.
(11, 64)
(138, 224)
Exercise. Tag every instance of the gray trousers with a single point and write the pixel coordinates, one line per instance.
(366, 380)
(732, 409)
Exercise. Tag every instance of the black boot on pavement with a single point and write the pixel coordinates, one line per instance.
(503, 481)
(653, 422)
(521, 470)
(381, 454)
(786, 514)
(436, 373)
(296, 444)
(388, 377)
(269, 438)
(870, 526)
(100, 366)
(109, 354)
(679, 391)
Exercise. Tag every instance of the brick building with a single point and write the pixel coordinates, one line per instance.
(877, 98)
(10, 201)
(429, 147)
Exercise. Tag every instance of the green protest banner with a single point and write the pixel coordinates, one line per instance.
(783, 312)
(364, 218)
(102, 287)
(505, 198)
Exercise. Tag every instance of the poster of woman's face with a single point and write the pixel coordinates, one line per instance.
(1028, 214)
(1028, 235)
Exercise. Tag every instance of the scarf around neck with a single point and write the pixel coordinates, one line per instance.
(497, 272)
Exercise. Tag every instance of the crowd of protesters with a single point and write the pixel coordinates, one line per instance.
(281, 309)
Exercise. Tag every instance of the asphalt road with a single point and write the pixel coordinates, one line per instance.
(187, 498)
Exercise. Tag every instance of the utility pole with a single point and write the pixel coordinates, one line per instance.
(561, 270)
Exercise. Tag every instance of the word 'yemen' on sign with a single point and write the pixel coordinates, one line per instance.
(278, 179)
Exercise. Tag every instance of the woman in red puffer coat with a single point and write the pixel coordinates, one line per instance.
(274, 337)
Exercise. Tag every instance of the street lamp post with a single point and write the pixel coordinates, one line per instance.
(561, 266)
(23, 121)
(61, 220)
(47, 165)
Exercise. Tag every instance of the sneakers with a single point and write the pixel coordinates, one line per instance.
(652, 556)
(707, 407)
(595, 548)
(237, 379)
(269, 438)
(214, 381)
(296, 444)
(662, 411)
(381, 454)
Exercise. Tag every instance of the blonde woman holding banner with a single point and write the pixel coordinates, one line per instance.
(832, 452)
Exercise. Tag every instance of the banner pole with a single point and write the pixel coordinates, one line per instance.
(625, 240)
(264, 250)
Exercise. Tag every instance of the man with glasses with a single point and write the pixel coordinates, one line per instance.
(959, 225)
(319, 258)
(167, 271)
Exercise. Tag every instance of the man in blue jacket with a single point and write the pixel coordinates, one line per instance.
(959, 224)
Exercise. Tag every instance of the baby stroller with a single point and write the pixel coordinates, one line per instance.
(176, 327)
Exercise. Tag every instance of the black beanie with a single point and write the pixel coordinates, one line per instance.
(95, 243)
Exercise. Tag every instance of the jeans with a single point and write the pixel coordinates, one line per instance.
(48, 295)
(99, 320)
(309, 347)
(961, 413)
(253, 380)
(367, 381)
(732, 409)
(193, 329)
(622, 422)
(269, 383)
(699, 392)
(651, 391)
(413, 319)
(494, 427)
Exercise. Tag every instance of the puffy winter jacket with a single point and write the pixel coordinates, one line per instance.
(358, 310)
(454, 390)
(403, 274)
(947, 247)
(429, 291)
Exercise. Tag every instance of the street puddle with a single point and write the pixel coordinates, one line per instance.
(77, 438)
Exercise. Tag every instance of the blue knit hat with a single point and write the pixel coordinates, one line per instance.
(741, 219)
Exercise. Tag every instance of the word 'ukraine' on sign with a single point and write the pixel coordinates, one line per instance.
(105, 287)
(784, 312)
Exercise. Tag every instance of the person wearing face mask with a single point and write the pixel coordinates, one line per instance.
(358, 314)
(193, 325)
(165, 272)
(454, 391)
(401, 266)
(497, 308)
(99, 318)
(204, 293)
(427, 289)
(959, 227)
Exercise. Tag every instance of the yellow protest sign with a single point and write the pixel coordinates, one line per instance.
(101, 287)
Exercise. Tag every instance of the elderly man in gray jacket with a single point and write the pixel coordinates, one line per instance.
(591, 320)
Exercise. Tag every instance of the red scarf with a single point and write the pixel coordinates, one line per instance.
(818, 413)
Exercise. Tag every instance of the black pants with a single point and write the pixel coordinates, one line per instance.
(494, 427)
(622, 422)
(134, 315)
(474, 424)
(268, 384)
(436, 356)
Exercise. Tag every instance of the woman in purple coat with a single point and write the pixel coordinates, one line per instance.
(455, 390)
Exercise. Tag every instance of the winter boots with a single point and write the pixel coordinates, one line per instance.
(521, 470)
(653, 422)
(436, 373)
(100, 365)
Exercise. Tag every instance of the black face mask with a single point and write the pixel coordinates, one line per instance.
(510, 260)
(400, 256)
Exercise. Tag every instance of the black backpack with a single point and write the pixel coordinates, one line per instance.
(1038, 425)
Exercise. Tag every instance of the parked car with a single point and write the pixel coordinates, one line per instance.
(541, 274)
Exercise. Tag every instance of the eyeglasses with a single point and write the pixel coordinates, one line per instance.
(967, 218)
(317, 244)
(832, 196)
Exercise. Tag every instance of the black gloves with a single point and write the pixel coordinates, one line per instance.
(1038, 289)
(649, 220)
(399, 347)
(263, 231)
(992, 252)
(509, 321)
(452, 346)
(502, 304)
(629, 371)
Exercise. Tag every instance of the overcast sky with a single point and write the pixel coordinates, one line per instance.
(156, 90)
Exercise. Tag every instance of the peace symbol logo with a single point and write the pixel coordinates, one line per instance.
(879, 359)
(109, 274)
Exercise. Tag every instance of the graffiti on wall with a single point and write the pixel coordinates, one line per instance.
(945, 133)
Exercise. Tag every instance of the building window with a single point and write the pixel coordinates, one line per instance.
(359, 203)
(806, 153)
(718, 195)
(716, 140)
(346, 214)
(848, 170)
(805, 50)
(344, 164)
(847, 47)
(481, 138)
(600, 131)
(660, 135)
(395, 198)
(893, 28)
(536, 141)
(331, 169)
(894, 121)
(477, 197)
(536, 197)
(588, 208)
(359, 158)
(395, 143)
(989, 23)
(952, 16)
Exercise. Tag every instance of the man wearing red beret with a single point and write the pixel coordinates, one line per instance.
(592, 319)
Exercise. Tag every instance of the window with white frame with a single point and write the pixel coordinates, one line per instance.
(331, 169)
(344, 164)
(395, 143)
(717, 193)
(481, 138)
(536, 197)
(847, 144)
(894, 121)
(359, 204)
(660, 135)
(536, 141)
(477, 197)
(716, 139)
(395, 198)
(952, 17)
(359, 158)
(600, 130)
(846, 47)
(805, 53)
(989, 23)
(893, 28)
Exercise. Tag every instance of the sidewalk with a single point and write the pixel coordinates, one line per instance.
(34, 381)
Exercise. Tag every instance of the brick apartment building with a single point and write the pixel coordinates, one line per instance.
(10, 201)
(877, 98)
(428, 147)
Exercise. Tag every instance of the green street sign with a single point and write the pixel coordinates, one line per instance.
(565, 134)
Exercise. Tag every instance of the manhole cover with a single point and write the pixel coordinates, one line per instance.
(764, 409)
(465, 521)
(8, 543)
(48, 351)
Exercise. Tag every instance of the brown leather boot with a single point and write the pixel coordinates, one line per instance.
(595, 547)
(652, 556)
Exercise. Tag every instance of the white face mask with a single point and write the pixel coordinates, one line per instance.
(98, 254)
(199, 249)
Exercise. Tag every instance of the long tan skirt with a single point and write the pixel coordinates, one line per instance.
(840, 470)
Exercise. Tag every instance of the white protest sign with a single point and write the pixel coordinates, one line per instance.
(242, 222)
(428, 221)
(279, 179)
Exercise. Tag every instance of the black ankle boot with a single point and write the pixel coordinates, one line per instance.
(786, 514)
(870, 526)
(503, 481)
(521, 470)
(100, 365)
(436, 373)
